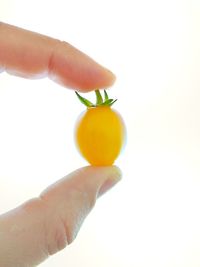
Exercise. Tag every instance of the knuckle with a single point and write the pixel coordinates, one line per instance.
(56, 238)
(52, 57)
(63, 220)
(55, 234)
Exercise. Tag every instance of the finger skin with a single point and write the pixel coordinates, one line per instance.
(32, 55)
(42, 226)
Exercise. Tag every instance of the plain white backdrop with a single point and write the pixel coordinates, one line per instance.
(152, 217)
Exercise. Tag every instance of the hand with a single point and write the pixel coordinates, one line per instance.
(46, 224)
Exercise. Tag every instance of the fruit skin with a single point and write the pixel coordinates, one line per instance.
(100, 135)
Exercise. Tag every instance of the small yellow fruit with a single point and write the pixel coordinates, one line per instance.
(100, 134)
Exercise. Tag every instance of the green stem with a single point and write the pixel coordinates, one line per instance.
(99, 99)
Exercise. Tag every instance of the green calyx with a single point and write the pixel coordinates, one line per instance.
(100, 101)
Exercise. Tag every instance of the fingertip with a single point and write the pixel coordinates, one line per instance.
(108, 78)
(114, 177)
(117, 172)
(99, 179)
(74, 69)
(102, 172)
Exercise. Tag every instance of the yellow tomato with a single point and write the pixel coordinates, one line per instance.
(100, 134)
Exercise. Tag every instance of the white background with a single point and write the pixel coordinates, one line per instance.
(152, 217)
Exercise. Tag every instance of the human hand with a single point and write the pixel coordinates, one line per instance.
(44, 225)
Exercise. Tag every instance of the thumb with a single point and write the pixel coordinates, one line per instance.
(44, 225)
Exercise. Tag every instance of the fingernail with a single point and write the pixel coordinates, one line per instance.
(110, 182)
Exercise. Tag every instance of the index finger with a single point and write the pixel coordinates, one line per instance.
(31, 55)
